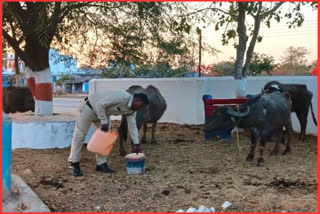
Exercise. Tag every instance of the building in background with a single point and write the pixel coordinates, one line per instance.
(8, 63)
(8, 70)
(79, 85)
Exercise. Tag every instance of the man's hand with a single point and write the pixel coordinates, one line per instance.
(137, 148)
(105, 127)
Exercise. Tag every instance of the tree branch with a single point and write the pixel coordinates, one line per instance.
(15, 45)
(56, 11)
(54, 20)
(267, 13)
(17, 9)
(252, 44)
(21, 15)
(67, 9)
(258, 12)
(203, 9)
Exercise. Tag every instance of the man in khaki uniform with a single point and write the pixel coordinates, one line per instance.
(97, 109)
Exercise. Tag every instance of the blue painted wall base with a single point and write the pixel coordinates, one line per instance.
(6, 150)
(223, 133)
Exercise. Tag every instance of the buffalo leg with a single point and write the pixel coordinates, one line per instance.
(283, 137)
(144, 137)
(123, 134)
(279, 135)
(250, 156)
(153, 140)
(121, 146)
(304, 124)
(302, 117)
(260, 161)
(288, 133)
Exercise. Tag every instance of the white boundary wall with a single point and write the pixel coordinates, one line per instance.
(184, 95)
(44, 134)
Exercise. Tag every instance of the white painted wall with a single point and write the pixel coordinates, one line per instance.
(184, 95)
(44, 135)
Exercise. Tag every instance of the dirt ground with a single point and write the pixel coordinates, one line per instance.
(183, 171)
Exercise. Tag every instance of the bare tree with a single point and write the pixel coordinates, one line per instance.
(294, 60)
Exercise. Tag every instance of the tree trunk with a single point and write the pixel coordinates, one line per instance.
(40, 84)
(200, 52)
(39, 77)
(18, 80)
(249, 54)
(43, 92)
(31, 81)
(241, 49)
(17, 70)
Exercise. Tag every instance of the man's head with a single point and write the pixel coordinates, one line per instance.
(140, 101)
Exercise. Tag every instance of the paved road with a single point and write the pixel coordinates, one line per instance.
(63, 105)
(69, 105)
(66, 102)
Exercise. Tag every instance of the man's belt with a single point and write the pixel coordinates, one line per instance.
(87, 102)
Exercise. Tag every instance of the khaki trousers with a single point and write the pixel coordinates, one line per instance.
(87, 117)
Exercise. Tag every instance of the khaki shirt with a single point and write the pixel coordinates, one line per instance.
(109, 103)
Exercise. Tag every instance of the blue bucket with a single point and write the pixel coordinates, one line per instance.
(6, 151)
(136, 163)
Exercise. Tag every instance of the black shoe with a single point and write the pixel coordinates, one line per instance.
(76, 169)
(104, 168)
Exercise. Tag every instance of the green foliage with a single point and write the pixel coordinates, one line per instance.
(163, 70)
(261, 63)
(42, 24)
(224, 68)
(160, 70)
(126, 42)
(118, 71)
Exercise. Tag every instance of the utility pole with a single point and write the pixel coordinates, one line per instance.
(200, 38)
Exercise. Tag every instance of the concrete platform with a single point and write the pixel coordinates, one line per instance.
(23, 198)
(35, 132)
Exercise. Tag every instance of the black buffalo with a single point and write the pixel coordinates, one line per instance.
(17, 99)
(301, 101)
(264, 114)
(150, 114)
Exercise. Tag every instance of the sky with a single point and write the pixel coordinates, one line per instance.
(276, 39)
